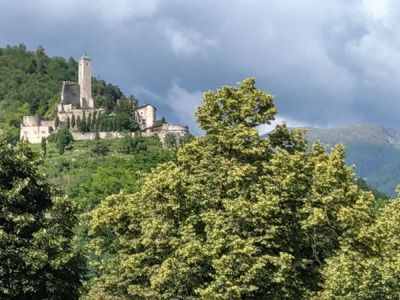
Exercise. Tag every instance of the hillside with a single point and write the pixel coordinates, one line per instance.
(30, 84)
(87, 176)
(374, 150)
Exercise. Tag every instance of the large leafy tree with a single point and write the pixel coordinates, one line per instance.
(234, 216)
(37, 258)
(367, 265)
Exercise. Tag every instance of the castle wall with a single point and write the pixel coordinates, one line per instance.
(31, 121)
(63, 115)
(177, 130)
(81, 136)
(70, 93)
(34, 134)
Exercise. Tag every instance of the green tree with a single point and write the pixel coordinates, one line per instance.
(123, 106)
(73, 123)
(89, 123)
(56, 122)
(43, 146)
(61, 145)
(78, 122)
(63, 139)
(161, 121)
(187, 138)
(94, 122)
(234, 216)
(68, 123)
(170, 140)
(367, 265)
(133, 144)
(100, 148)
(83, 123)
(37, 258)
(125, 122)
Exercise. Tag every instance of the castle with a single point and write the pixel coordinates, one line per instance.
(77, 102)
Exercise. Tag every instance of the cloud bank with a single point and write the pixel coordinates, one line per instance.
(327, 62)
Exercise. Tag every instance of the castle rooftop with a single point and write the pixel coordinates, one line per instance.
(85, 56)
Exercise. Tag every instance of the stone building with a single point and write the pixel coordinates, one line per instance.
(34, 128)
(76, 101)
(146, 116)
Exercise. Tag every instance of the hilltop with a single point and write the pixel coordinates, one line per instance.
(360, 133)
(30, 83)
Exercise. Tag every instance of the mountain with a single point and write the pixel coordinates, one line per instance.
(373, 149)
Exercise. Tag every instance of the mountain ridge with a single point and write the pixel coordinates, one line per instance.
(367, 133)
(372, 148)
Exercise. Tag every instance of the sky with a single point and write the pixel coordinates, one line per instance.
(327, 63)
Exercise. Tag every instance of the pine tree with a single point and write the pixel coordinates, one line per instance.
(94, 122)
(89, 123)
(113, 124)
(61, 144)
(78, 122)
(73, 121)
(83, 122)
(68, 122)
(57, 122)
(43, 146)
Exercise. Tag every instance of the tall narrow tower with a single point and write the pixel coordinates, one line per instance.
(85, 81)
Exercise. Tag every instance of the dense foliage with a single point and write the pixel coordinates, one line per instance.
(234, 216)
(367, 265)
(30, 84)
(37, 257)
(88, 177)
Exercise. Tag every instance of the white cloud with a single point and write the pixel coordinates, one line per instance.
(377, 9)
(265, 128)
(377, 51)
(184, 104)
(187, 41)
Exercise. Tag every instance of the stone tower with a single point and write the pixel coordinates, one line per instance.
(85, 81)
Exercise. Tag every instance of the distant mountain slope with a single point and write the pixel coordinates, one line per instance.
(374, 150)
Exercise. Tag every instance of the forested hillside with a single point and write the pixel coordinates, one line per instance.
(30, 84)
(89, 171)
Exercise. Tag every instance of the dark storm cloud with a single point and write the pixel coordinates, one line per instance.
(327, 62)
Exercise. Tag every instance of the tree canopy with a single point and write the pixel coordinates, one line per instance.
(37, 257)
(234, 216)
